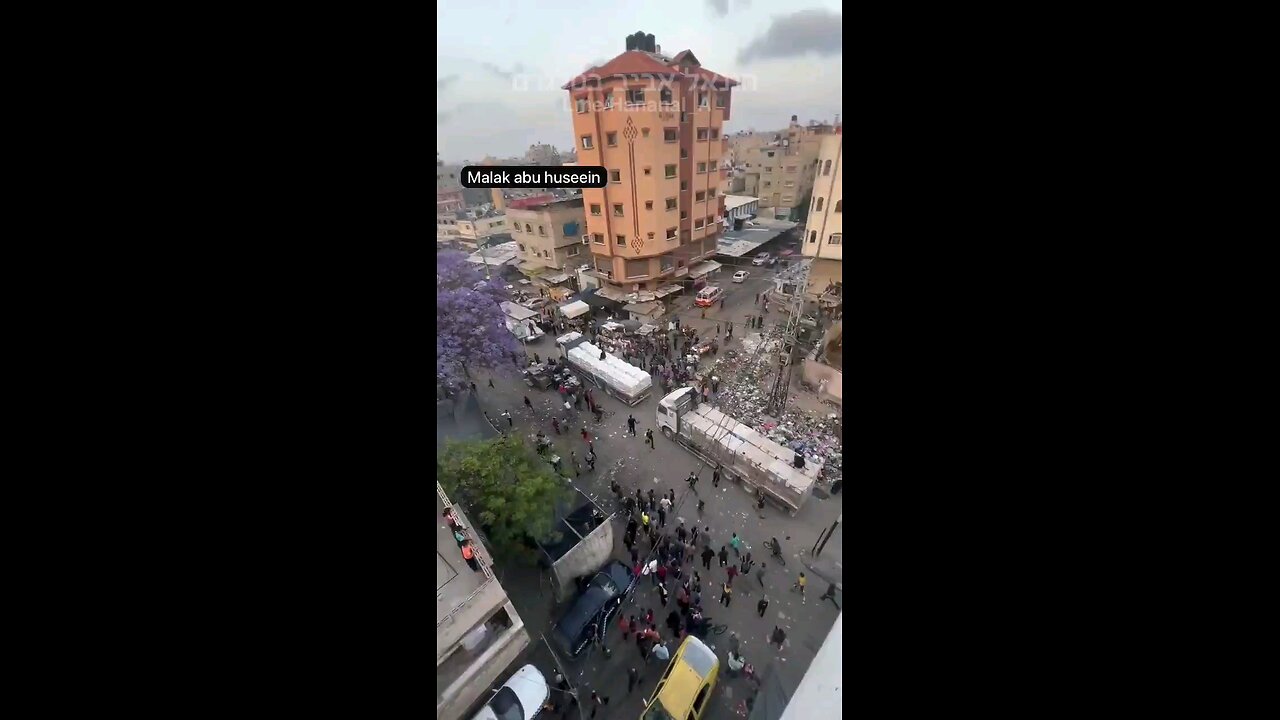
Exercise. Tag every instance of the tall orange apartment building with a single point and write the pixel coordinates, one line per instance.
(656, 124)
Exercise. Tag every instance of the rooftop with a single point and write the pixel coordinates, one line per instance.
(736, 243)
(737, 201)
(455, 582)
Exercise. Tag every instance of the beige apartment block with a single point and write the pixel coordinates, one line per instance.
(478, 631)
(824, 230)
(655, 124)
(550, 235)
(467, 231)
(780, 170)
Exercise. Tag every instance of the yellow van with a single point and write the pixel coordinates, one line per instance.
(685, 687)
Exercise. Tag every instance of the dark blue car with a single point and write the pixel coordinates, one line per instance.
(590, 613)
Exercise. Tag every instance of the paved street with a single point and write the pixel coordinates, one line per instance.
(729, 509)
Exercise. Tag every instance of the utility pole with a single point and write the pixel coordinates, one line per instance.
(822, 541)
(787, 355)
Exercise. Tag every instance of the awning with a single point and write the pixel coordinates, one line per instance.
(574, 309)
(517, 312)
(703, 268)
(557, 278)
(650, 309)
(532, 269)
(611, 293)
(591, 298)
(666, 290)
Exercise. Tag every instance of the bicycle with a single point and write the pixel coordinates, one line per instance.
(777, 554)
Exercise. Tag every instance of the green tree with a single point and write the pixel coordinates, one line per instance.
(506, 488)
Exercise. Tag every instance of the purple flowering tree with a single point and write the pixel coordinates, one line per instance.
(471, 330)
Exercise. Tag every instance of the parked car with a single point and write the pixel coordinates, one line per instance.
(594, 608)
(761, 259)
(740, 276)
(520, 698)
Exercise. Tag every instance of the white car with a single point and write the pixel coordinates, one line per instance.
(740, 275)
(761, 259)
(520, 698)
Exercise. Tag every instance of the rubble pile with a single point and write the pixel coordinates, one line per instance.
(745, 397)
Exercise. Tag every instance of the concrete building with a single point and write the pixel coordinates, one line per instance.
(471, 232)
(824, 231)
(780, 171)
(739, 206)
(821, 691)
(655, 123)
(478, 631)
(550, 235)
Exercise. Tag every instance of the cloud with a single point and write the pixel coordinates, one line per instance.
(444, 82)
(594, 64)
(719, 7)
(807, 31)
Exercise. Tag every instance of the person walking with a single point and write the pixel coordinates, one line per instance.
(747, 562)
(648, 437)
(473, 387)
(707, 554)
(662, 516)
(692, 480)
(830, 594)
(736, 544)
(586, 435)
(800, 583)
(644, 519)
(662, 574)
(681, 533)
(490, 382)
(633, 677)
(778, 637)
(507, 414)
(715, 477)
(596, 702)
(724, 556)
(577, 467)
(726, 594)
(631, 423)
(662, 591)
(733, 573)
(555, 425)
(760, 574)
(762, 605)
(527, 403)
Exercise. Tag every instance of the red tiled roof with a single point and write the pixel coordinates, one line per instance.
(714, 78)
(631, 62)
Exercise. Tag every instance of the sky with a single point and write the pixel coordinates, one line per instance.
(501, 63)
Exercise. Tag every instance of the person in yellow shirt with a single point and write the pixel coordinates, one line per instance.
(644, 519)
(800, 583)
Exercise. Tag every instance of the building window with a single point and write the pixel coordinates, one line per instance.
(789, 183)
(721, 99)
(768, 184)
(702, 167)
(586, 142)
(542, 232)
(621, 239)
(664, 96)
(711, 193)
(595, 209)
(702, 100)
(770, 154)
(787, 199)
(684, 215)
(835, 239)
(617, 209)
(644, 132)
(608, 101)
(699, 196)
(791, 168)
(697, 224)
(684, 117)
(813, 236)
(582, 105)
(819, 207)
(597, 238)
(702, 134)
(615, 176)
(650, 235)
(648, 171)
(670, 171)
(840, 206)
(684, 154)
(611, 139)
(684, 185)
(635, 96)
(671, 233)
(711, 220)
(528, 228)
(715, 134)
(826, 168)
(638, 268)
(670, 135)
(665, 261)
(768, 169)
(648, 204)
(671, 203)
(521, 246)
(572, 250)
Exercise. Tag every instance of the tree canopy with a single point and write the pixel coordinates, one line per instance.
(471, 330)
(506, 488)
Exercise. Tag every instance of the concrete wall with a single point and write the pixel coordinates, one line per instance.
(815, 372)
(587, 557)
(484, 671)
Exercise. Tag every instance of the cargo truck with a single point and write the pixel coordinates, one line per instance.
(742, 454)
(618, 378)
